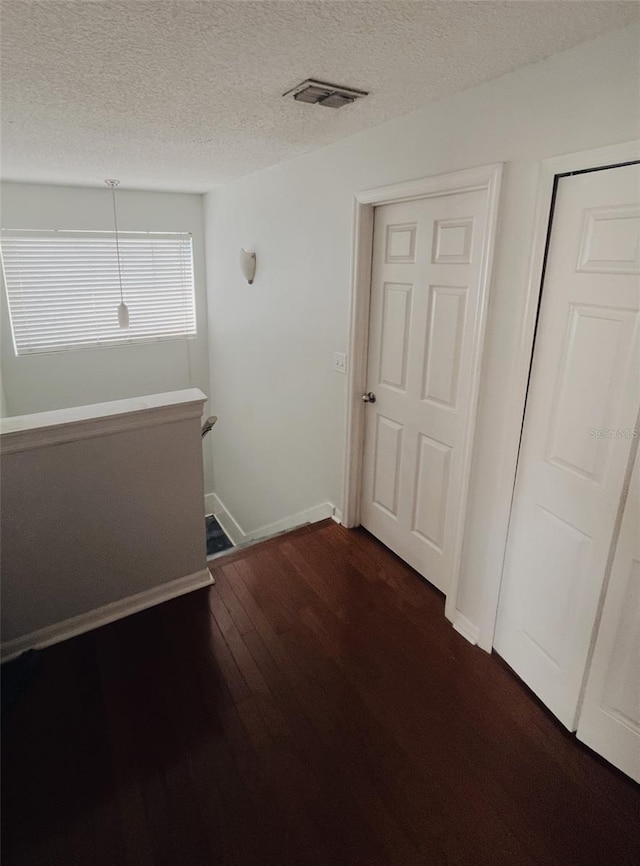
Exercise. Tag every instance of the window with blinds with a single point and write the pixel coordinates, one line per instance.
(63, 288)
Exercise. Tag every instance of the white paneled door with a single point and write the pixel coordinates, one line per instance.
(610, 717)
(423, 343)
(581, 412)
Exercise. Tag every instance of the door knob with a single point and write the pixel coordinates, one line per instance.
(369, 397)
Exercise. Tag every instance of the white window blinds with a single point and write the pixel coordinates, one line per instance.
(63, 288)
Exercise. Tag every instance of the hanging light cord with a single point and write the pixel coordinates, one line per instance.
(113, 184)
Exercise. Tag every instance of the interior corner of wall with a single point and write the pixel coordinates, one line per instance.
(3, 398)
(466, 628)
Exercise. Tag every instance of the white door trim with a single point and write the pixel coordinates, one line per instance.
(549, 169)
(486, 177)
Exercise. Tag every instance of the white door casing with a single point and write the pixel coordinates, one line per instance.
(427, 309)
(585, 382)
(610, 716)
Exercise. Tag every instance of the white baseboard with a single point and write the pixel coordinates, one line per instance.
(466, 628)
(311, 515)
(214, 505)
(103, 615)
(337, 515)
(227, 521)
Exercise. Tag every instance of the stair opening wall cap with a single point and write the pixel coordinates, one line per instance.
(22, 432)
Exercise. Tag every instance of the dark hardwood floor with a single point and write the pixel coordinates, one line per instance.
(313, 707)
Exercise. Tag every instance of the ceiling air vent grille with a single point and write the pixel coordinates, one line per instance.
(322, 93)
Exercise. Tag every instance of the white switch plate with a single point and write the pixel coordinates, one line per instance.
(339, 362)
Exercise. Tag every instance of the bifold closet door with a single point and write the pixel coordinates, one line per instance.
(610, 717)
(583, 395)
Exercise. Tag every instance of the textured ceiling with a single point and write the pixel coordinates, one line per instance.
(186, 95)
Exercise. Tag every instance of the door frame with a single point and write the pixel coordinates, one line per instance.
(550, 171)
(487, 177)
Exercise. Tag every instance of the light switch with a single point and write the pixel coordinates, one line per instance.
(339, 362)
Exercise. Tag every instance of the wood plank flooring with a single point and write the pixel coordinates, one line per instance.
(313, 707)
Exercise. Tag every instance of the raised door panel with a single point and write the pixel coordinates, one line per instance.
(431, 491)
(452, 241)
(598, 347)
(555, 562)
(611, 241)
(610, 717)
(621, 694)
(394, 337)
(443, 349)
(401, 243)
(386, 471)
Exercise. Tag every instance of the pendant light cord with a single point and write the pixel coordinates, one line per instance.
(115, 222)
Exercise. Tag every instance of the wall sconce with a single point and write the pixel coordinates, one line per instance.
(248, 265)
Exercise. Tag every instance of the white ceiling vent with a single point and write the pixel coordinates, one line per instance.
(322, 93)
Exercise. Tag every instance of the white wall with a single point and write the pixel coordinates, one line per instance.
(37, 383)
(279, 443)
